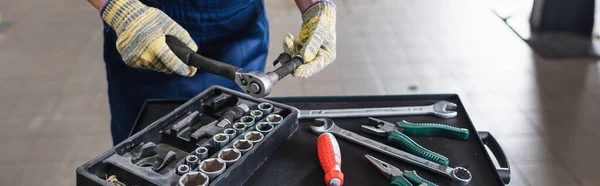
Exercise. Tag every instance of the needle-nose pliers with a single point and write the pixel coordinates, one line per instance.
(395, 134)
(397, 177)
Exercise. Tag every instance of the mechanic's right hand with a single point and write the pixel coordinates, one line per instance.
(141, 34)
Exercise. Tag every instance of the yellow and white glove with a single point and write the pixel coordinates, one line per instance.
(316, 44)
(141, 32)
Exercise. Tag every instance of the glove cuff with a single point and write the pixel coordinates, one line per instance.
(120, 13)
(315, 3)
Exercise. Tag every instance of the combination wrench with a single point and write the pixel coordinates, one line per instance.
(459, 175)
(441, 109)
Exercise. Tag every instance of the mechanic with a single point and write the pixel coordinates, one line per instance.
(140, 66)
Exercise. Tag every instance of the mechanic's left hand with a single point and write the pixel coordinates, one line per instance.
(316, 44)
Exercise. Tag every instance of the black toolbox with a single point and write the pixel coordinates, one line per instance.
(295, 162)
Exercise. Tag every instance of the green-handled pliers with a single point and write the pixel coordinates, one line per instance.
(397, 177)
(395, 134)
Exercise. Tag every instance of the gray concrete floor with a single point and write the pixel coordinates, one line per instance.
(54, 109)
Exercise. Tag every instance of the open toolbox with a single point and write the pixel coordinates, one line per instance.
(295, 161)
(192, 138)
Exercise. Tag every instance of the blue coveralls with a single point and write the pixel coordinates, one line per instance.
(231, 31)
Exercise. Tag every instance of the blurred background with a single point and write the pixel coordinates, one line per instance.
(539, 94)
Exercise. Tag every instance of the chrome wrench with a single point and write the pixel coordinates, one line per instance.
(441, 109)
(459, 175)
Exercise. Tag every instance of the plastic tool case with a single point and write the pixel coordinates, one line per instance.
(151, 156)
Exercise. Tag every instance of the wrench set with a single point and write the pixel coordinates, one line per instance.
(216, 138)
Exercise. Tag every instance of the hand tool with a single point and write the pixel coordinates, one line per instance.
(221, 140)
(231, 132)
(395, 134)
(182, 169)
(240, 127)
(266, 108)
(201, 152)
(274, 119)
(441, 109)
(212, 167)
(264, 127)
(459, 175)
(191, 161)
(242, 145)
(193, 178)
(330, 157)
(255, 83)
(254, 137)
(230, 115)
(397, 177)
(256, 114)
(229, 156)
(247, 120)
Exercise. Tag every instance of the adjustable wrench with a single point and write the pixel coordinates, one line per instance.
(459, 175)
(255, 83)
(441, 109)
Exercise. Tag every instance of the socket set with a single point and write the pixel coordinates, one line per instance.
(219, 137)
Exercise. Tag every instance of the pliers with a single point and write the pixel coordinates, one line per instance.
(397, 177)
(395, 134)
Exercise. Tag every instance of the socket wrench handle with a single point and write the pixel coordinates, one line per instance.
(331, 159)
(189, 57)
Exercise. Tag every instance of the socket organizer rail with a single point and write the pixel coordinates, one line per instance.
(194, 145)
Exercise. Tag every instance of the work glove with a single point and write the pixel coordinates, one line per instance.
(141, 32)
(316, 44)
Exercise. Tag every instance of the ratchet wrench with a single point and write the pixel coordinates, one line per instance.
(255, 83)
(459, 175)
(441, 109)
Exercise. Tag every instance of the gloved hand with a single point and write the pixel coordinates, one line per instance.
(316, 44)
(141, 34)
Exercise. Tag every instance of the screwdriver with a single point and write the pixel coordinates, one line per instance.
(331, 159)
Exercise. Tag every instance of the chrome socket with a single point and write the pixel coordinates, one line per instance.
(191, 161)
(264, 127)
(266, 108)
(257, 114)
(240, 127)
(254, 137)
(212, 167)
(242, 145)
(274, 119)
(229, 156)
(193, 178)
(248, 121)
(201, 152)
(182, 169)
(221, 139)
(231, 132)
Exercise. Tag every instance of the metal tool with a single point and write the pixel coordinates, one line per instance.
(441, 109)
(256, 114)
(397, 177)
(229, 155)
(193, 178)
(458, 174)
(274, 119)
(221, 140)
(395, 134)
(231, 132)
(240, 127)
(264, 127)
(191, 161)
(255, 83)
(230, 115)
(247, 120)
(254, 137)
(242, 145)
(330, 158)
(201, 152)
(266, 108)
(182, 169)
(212, 167)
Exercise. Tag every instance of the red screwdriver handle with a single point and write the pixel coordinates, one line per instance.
(331, 159)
